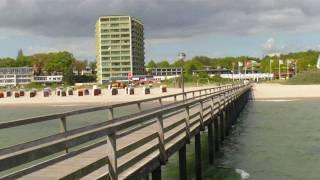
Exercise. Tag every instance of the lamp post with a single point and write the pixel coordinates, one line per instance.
(182, 57)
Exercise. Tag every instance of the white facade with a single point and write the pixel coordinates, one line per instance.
(13, 76)
(255, 76)
(47, 79)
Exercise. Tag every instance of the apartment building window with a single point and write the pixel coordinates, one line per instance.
(125, 47)
(115, 36)
(124, 30)
(125, 41)
(114, 19)
(125, 35)
(115, 52)
(105, 53)
(115, 41)
(105, 42)
(114, 30)
(124, 24)
(105, 36)
(104, 30)
(124, 18)
(114, 25)
(125, 63)
(105, 69)
(115, 58)
(104, 19)
(125, 58)
(105, 58)
(105, 25)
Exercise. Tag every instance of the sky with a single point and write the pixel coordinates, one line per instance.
(214, 28)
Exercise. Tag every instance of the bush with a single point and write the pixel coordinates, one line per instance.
(311, 77)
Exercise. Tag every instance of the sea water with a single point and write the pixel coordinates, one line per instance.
(273, 140)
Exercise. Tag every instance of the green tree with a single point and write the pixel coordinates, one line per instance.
(79, 66)
(151, 64)
(163, 64)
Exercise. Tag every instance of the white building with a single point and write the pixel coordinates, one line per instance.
(47, 79)
(13, 76)
(165, 73)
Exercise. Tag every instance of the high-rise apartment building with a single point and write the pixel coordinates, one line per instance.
(119, 47)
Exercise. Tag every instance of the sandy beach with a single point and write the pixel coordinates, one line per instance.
(104, 98)
(278, 91)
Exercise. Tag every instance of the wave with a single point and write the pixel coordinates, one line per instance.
(243, 174)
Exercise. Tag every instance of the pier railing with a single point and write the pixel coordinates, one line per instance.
(165, 130)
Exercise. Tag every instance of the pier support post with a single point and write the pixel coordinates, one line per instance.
(183, 163)
(216, 134)
(198, 162)
(221, 122)
(211, 148)
(156, 174)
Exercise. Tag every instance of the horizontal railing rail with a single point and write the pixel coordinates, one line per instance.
(26, 121)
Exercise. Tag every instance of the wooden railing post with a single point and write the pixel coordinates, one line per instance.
(163, 154)
(160, 101)
(139, 106)
(187, 123)
(112, 156)
(201, 116)
(63, 129)
(111, 113)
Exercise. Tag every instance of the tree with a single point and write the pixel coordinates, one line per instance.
(93, 66)
(79, 66)
(39, 63)
(151, 64)
(163, 64)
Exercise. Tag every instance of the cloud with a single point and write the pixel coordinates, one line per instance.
(164, 19)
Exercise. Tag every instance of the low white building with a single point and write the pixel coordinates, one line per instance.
(48, 79)
(13, 76)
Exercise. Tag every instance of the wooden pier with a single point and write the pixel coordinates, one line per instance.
(128, 147)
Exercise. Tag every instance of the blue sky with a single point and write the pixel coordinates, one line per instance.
(211, 28)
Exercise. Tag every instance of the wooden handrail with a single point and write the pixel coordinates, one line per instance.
(20, 122)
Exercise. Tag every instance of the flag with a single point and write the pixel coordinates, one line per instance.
(240, 64)
(318, 63)
(280, 61)
(248, 63)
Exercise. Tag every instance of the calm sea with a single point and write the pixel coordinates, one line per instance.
(274, 140)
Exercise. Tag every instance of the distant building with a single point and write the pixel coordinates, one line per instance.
(274, 55)
(48, 79)
(13, 76)
(119, 47)
(86, 71)
(212, 72)
(164, 73)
